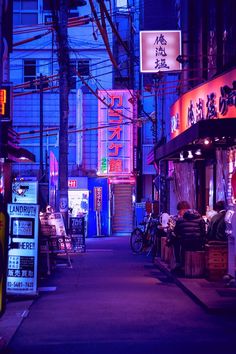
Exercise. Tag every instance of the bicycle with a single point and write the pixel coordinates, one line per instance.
(142, 239)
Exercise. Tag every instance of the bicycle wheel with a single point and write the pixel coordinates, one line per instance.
(136, 240)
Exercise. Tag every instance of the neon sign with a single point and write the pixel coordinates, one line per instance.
(115, 140)
(5, 103)
(212, 100)
(3, 100)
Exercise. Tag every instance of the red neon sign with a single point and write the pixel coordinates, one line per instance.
(212, 100)
(3, 100)
(72, 183)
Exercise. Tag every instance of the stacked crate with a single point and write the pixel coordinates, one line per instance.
(194, 266)
(216, 261)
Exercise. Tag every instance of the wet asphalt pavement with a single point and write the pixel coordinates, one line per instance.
(115, 302)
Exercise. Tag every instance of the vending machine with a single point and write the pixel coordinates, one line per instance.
(78, 198)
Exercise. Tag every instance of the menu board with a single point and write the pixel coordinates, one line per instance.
(23, 249)
(52, 224)
(77, 230)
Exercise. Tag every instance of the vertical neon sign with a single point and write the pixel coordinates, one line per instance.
(115, 136)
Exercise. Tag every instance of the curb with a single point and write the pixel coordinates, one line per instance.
(178, 282)
(210, 308)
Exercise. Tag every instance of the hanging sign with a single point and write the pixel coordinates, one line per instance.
(159, 50)
(6, 103)
(98, 198)
(23, 249)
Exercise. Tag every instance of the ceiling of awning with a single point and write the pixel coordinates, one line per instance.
(219, 132)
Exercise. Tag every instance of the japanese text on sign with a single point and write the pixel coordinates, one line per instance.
(159, 50)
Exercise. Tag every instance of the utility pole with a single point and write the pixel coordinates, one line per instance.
(60, 20)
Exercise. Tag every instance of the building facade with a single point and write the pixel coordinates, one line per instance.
(205, 111)
(100, 48)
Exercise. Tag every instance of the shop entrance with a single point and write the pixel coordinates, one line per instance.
(122, 208)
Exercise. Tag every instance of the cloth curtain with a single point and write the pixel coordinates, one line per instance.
(184, 182)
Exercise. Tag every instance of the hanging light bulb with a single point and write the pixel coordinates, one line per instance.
(198, 152)
(206, 141)
(190, 154)
(181, 156)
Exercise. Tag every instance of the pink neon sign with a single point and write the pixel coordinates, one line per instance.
(115, 140)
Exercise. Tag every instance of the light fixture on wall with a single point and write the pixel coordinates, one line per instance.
(198, 152)
(181, 156)
(206, 142)
(190, 154)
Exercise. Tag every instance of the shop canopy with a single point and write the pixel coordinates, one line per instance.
(10, 148)
(217, 132)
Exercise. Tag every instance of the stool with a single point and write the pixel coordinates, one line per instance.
(216, 261)
(194, 266)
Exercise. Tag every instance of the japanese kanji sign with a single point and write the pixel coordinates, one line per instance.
(159, 50)
(211, 100)
(115, 140)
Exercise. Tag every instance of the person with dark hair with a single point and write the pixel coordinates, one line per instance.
(172, 239)
(188, 233)
(217, 225)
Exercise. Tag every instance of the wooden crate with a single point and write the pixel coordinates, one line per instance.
(216, 261)
(194, 266)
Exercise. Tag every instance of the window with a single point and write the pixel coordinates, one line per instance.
(29, 70)
(25, 12)
(73, 4)
(122, 3)
(82, 67)
(73, 74)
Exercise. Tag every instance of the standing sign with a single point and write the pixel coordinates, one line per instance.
(23, 249)
(3, 255)
(77, 233)
(56, 220)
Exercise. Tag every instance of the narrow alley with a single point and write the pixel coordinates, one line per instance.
(113, 301)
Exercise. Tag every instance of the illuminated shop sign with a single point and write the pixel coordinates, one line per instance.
(212, 100)
(23, 249)
(72, 183)
(115, 142)
(159, 50)
(98, 198)
(5, 103)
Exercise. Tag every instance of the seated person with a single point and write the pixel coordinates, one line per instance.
(217, 225)
(189, 234)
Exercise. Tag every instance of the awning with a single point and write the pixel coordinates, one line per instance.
(19, 155)
(220, 132)
(10, 149)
